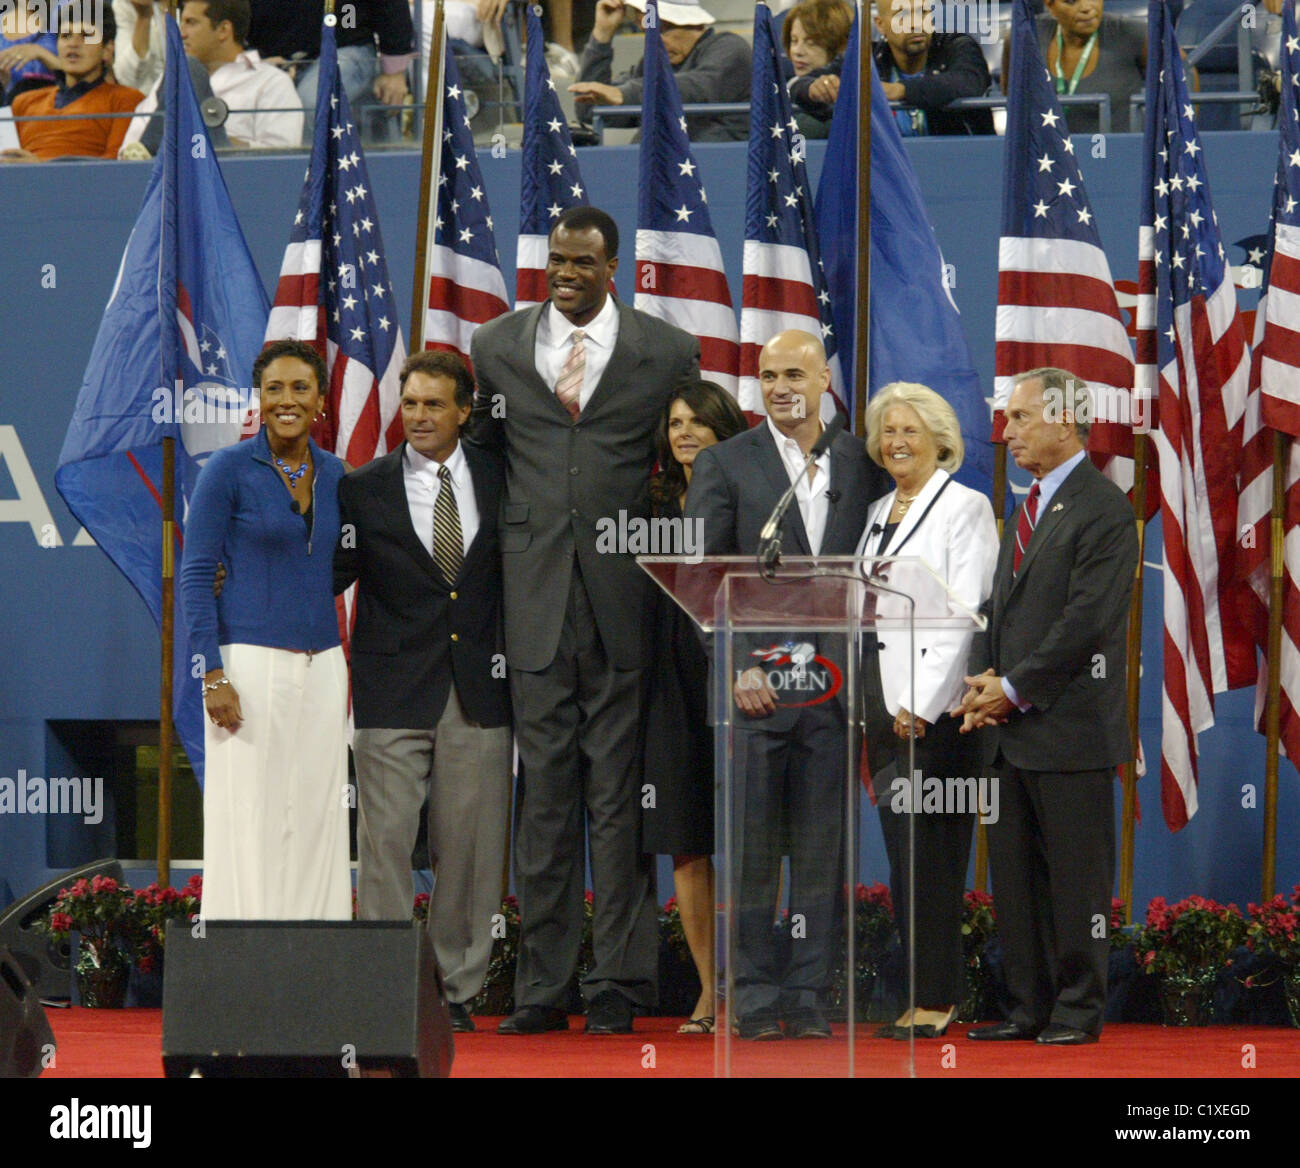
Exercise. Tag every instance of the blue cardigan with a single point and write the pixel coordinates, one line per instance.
(279, 589)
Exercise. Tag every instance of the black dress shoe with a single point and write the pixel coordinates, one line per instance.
(1058, 1035)
(609, 1012)
(1001, 1032)
(461, 1022)
(889, 1030)
(534, 1020)
(760, 1026)
(806, 1022)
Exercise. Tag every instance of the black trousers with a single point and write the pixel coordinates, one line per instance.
(928, 851)
(801, 773)
(1052, 852)
(578, 725)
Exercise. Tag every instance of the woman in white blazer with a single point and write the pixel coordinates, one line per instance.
(914, 434)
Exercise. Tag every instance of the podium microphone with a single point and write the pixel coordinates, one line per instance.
(769, 539)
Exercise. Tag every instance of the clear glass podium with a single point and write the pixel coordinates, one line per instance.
(798, 923)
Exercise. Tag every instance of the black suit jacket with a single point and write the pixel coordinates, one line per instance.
(414, 633)
(563, 477)
(1057, 630)
(735, 485)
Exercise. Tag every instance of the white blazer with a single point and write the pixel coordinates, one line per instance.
(959, 541)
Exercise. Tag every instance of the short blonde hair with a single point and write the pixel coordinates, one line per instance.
(936, 415)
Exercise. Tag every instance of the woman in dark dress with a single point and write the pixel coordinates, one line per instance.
(679, 743)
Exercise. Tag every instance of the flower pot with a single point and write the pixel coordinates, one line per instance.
(1291, 992)
(102, 985)
(1186, 1000)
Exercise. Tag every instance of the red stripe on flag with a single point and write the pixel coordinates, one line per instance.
(1057, 290)
(683, 282)
(1085, 361)
(467, 303)
(772, 295)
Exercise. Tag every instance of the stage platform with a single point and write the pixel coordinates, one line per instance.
(126, 1044)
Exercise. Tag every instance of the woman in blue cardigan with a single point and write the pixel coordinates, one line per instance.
(275, 812)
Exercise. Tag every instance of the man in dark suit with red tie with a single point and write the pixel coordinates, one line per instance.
(1049, 682)
(571, 392)
(429, 689)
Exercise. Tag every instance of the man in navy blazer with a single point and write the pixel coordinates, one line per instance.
(1048, 679)
(429, 687)
(790, 752)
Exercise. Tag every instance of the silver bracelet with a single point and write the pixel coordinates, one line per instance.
(215, 685)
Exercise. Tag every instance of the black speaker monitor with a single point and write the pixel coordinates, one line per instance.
(25, 1034)
(303, 998)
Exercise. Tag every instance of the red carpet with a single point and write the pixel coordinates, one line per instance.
(123, 1044)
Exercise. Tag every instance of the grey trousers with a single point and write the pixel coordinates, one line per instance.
(466, 771)
(578, 724)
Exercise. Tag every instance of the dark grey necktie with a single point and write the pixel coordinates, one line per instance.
(448, 543)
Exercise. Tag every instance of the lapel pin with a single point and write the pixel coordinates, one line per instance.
(1059, 507)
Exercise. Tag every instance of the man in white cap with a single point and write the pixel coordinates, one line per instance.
(710, 66)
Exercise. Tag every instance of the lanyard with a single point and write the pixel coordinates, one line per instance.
(1078, 69)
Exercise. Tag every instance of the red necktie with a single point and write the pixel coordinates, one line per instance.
(1025, 526)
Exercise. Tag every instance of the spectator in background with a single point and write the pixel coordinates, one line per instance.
(815, 34)
(375, 47)
(29, 52)
(1089, 52)
(710, 66)
(141, 37)
(928, 69)
(265, 112)
(82, 91)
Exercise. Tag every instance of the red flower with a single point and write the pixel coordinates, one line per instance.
(670, 905)
(103, 884)
(61, 922)
(588, 897)
(421, 900)
(147, 964)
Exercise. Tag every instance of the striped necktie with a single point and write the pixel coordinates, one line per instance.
(569, 387)
(1026, 524)
(448, 544)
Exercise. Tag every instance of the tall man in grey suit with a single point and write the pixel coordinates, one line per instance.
(790, 753)
(571, 392)
(1049, 678)
(429, 690)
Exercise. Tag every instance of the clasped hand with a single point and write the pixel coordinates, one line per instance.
(984, 703)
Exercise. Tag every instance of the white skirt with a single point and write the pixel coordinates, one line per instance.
(275, 797)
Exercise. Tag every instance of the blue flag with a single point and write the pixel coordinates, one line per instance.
(172, 359)
(916, 331)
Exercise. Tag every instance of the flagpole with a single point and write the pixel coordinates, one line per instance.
(1273, 706)
(1128, 818)
(167, 636)
(862, 342)
(999, 512)
(428, 192)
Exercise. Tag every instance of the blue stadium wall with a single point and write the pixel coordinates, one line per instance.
(77, 644)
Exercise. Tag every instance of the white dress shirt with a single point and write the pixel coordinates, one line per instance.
(814, 506)
(555, 342)
(248, 87)
(128, 66)
(422, 487)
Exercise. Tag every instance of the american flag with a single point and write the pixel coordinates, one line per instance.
(1056, 298)
(551, 182)
(785, 287)
(1274, 404)
(1193, 365)
(679, 272)
(334, 290)
(466, 287)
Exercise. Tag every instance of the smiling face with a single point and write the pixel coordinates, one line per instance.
(430, 416)
(578, 273)
(289, 398)
(907, 447)
(793, 376)
(688, 434)
(805, 55)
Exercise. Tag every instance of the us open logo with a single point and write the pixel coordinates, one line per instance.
(798, 675)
